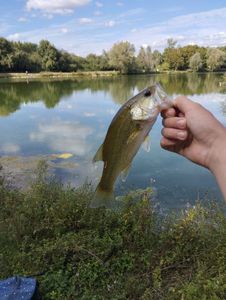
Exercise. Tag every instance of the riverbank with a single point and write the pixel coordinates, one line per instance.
(75, 252)
(50, 75)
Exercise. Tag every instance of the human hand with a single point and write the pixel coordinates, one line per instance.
(192, 131)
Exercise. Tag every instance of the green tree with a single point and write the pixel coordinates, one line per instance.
(49, 56)
(121, 57)
(145, 59)
(6, 55)
(157, 59)
(195, 62)
(93, 62)
(171, 43)
(215, 59)
(173, 58)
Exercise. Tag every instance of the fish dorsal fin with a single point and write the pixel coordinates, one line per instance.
(125, 173)
(99, 155)
(146, 143)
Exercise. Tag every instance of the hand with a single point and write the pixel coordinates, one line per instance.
(192, 131)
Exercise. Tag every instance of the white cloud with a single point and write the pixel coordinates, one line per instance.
(56, 6)
(15, 36)
(110, 23)
(97, 13)
(119, 3)
(85, 20)
(64, 30)
(22, 19)
(9, 148)
(89, 114)
(64, 136)
(205, 28)
(99, 4)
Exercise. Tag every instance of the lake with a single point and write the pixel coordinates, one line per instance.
(43, 119)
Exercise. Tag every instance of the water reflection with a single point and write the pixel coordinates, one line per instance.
(44, 118)
(64, 136)
(13, 95)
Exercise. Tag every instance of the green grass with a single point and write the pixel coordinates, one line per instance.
(76, 252)
(53, 75)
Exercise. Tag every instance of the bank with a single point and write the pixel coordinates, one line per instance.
(53, 75)
(49, 232)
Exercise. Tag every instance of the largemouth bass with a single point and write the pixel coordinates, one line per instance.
(127, 131)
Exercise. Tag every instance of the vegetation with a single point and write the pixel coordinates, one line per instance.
(76, 252)
(22, 57)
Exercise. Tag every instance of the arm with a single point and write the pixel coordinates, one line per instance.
(192, 131)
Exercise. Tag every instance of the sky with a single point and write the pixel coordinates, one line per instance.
(87, 26)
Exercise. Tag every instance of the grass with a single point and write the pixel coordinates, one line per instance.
(76, 252)
(51, 75)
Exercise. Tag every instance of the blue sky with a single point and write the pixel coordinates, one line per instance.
(85, 26)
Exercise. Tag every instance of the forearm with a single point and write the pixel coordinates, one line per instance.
(219, 166)
(220, 174)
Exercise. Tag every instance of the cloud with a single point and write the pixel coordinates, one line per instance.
(64, 136)
(10, 148)
(56, 6)
(97, 13)
(119, 3)
(99, 4)
(89, 114)
(15, 36)
(85, 20)
(110, 23)
(64, 30)
(205, 29)
(22, 19)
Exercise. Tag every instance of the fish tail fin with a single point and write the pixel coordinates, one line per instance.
(103, 198)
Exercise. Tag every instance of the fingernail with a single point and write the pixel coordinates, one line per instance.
(181, 123)
(181, 135)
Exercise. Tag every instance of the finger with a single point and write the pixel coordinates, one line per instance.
(165, 143)
(175, 122)
(171, 112)
(181, 114)
(175, 134)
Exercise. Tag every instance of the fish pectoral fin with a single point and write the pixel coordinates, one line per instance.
(146, 144)
(125, 172)
(99, 155)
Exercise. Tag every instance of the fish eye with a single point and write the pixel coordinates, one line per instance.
(147, 93)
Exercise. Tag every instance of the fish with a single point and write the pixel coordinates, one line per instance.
(129, 128)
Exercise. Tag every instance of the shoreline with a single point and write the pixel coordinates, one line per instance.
(50, 75)
(91, 74)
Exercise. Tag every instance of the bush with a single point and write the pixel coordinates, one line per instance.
(76, 252)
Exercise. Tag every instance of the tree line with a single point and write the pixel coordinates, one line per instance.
(30, 57)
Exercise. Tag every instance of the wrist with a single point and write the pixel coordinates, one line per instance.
(217, 159)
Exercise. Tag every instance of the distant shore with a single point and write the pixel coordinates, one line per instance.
(42, 75)
(91, 74)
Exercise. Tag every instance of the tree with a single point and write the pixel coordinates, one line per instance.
(174, 59)
(195, 62)
(171, 43)
(6, 55)
(144, 59)
(121, 57)
(157, 59)
(49, 56)
(215, 58)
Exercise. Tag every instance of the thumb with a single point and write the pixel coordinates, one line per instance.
(183, 104)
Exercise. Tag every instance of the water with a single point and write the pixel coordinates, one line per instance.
(42, 118)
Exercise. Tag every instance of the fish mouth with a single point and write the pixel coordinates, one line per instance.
(154, 100)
